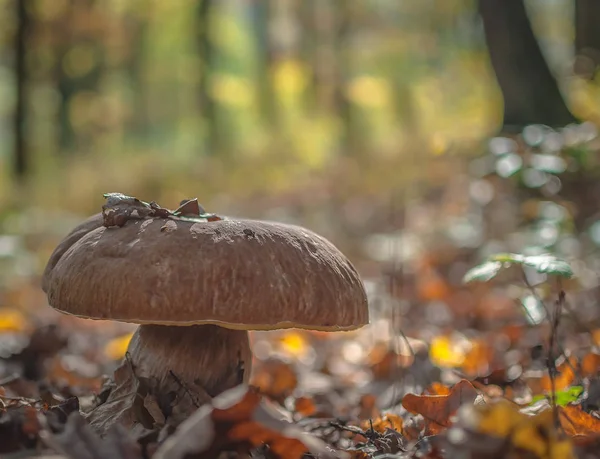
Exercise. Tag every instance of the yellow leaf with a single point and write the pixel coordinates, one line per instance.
(116, 348)
(446, 352)
(534, 434)
(12, 320)
(294, 343)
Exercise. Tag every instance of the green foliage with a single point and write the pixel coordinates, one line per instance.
(563, 397)
(543, 264)
(484, 272)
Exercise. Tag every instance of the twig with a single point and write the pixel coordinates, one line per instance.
(551, 357)
(562, 352)
(369, 434)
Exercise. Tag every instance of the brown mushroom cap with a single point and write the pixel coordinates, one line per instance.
(239, 274)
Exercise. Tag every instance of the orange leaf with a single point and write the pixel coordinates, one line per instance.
(477, 360)
(305, 406)
(575, 421)
(437, 388)
(590, 365)
(239, 419)
(275, 378)
(439, 408)
(564, 379)
(432, 287)
(387, 421)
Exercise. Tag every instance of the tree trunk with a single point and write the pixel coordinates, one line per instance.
(207, 105)
(531, 94)
(21, 159)
(587, 38)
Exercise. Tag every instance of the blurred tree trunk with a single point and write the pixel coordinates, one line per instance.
(342, 38)
(587, 37)
(21, 157)
(136, 62)
(205, 53)
(265, 15)
(531, 94)
(326, 25)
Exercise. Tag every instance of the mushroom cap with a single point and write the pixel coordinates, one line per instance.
(240, 274)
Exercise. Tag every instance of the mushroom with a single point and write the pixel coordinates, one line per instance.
(196, 283)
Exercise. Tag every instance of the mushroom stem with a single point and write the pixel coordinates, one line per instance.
(204, 357)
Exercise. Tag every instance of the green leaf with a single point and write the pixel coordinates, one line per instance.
(549, 264)
(507, 258)
(563, 397)
(544, 264)
(534, 309)
(483, 272)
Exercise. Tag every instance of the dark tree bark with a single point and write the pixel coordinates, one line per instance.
(531, 94)
(587, 37)
(21, 157)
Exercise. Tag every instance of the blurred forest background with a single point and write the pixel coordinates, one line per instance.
(399, 129)
(419, 136)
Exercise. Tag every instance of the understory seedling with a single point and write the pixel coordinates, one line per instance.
(533, 303)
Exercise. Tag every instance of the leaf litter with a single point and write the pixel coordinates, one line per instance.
(296, 406)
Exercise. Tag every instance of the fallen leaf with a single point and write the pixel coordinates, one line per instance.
(116, 348)
(575, 421)
(11, 320)
(78, 441)
(590, 365)
(387, 421)
(437, 388)
(477, 359)
(239, 419)
(294, 343)
(564, 378)
(305, 406)
(274, 378)
(525, 436)
(368, 407)
(19, 428)
(438, 409)
(445, 351)
(431, 286)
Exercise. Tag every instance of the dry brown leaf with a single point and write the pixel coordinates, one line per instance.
(437, 409)
(239, 420)
(564, 379)
(575, 421)
(437, 388)
(590, 365)
(387, 421)
(432, 287)
(305, 406)
(78, 441)
(275, 378)
(478, 358)
(368, 407)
